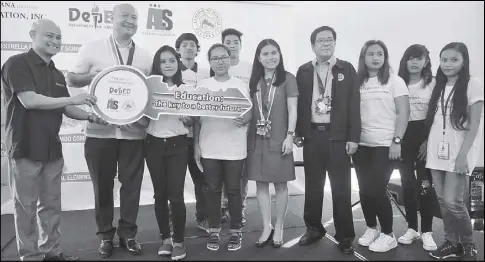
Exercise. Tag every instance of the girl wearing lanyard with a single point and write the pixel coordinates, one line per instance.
(270, 137)
(384, 109)
(415, 70)
(220, 146)
(166, 149)
(455, 118)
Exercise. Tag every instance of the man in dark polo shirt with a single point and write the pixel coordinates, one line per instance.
(36, 98)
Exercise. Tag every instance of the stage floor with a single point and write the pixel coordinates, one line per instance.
(78, 237)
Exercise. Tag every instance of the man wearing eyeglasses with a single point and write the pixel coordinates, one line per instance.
(329, 127)
(187, 45)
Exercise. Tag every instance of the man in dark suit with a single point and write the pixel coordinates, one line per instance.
(329, 128)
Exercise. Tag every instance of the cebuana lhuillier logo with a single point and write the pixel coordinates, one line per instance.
(159, 21)
(94, 18)
(207, 23)
(15, 14)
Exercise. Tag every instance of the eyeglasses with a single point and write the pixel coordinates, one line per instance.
(223, 59)
(324, 41)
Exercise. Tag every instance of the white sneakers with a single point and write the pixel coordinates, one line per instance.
(428, 242)
(383, 243)
(377, 241)
(369, 236)
(411, 235)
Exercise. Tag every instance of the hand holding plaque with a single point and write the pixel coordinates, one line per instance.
(125, 95)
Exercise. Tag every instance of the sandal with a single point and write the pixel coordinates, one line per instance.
(213, 241)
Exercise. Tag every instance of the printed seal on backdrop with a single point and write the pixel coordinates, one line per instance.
(207, 23)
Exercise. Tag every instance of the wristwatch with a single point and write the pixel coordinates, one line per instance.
(291, 133)
(396, 140)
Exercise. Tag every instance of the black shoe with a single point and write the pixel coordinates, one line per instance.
(469, 253)
(105, 248)
(276, 244)
(131, 245)
(264, 243)
(310, 237)
(62, 257)
(447, 250)
(345, 246)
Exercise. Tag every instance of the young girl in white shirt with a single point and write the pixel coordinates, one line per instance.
(415, 70)
(384, 110)
(456, 126)
(166, 150)
(220, 146)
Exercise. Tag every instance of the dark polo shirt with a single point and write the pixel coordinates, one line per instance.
(34, 133)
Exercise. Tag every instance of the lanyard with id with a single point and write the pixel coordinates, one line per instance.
(323, 103)
(117, 52)
(443, 145)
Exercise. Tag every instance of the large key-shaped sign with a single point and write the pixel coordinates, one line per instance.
(125, 95)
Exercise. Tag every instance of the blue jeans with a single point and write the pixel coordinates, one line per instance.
(450, 190)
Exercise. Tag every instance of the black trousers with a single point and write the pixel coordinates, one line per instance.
(198, 181)
(374, 169)
(217, 172)
(167, 162)
(321, 155)
(104, 156)
(418, 190)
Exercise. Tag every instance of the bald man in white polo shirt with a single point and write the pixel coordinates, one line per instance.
(111, 148)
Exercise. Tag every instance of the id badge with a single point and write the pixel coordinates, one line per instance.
(444, 150)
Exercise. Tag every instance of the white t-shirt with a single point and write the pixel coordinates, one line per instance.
(98, 55)
(220, 138)
(193, 78)
(378, 110)
(241, 71)
(454, 137)
(419, 100)
(167, 125)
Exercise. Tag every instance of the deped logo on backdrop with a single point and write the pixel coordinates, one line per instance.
(91, 19)
(159, 21)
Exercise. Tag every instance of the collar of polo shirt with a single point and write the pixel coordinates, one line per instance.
(118, 44)
(331, 61)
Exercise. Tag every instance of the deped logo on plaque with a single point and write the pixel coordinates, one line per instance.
(125, 95)
(122, 94)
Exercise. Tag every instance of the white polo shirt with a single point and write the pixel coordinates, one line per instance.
(220, 138)
(98, 55)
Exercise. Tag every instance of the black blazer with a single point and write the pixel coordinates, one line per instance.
(345, 123)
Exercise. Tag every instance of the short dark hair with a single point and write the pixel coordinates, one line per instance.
(313, 36)
(186, 37)
(231, 31)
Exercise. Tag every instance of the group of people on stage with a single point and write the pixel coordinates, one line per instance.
(380, 119)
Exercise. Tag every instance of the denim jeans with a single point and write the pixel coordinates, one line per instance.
(217, 172)
(450, 189)
(417, 189)
(167, 162)
(374, 168)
